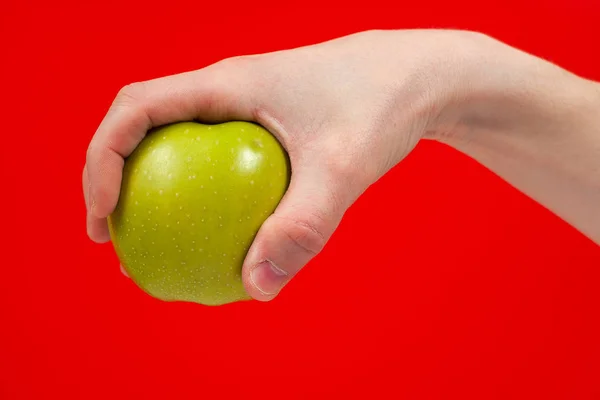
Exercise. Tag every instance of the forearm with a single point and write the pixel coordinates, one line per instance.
(538, 127)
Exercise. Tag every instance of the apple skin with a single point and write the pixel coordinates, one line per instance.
(193, 197)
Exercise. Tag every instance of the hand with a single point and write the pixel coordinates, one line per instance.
(346, 111)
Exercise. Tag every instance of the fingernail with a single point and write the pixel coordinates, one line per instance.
(123, 271)
(268, 278)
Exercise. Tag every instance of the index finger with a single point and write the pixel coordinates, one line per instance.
(216, 93)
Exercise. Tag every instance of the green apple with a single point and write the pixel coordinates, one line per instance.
(193, 197)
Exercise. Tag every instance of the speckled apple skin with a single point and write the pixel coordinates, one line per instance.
(193, 197)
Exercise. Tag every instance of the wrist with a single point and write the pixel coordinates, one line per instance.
(538, 127)
(506, 98)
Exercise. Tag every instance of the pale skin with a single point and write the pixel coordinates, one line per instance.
(350, 109)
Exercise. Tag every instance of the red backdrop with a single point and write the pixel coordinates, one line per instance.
(441, 282)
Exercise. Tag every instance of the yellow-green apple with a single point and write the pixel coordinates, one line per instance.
(192, 199)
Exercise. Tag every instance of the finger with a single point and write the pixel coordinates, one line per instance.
(219, 92)
(297, 231)
(97, 228)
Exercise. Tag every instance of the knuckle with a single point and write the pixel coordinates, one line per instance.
(343, 165)
(104, 197)
(85, 177)
(238, 62)
(229, 61)
(92, 153)
(236, 70)
(307, 235)
(132, 103)
(101, 193)
(129, 95)
(224, 68)
(349, 163)
(89, 152)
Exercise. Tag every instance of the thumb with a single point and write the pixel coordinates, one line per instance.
(305, 219)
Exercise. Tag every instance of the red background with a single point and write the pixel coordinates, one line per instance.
(441, 282)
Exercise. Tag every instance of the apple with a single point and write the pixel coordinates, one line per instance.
(192, 199)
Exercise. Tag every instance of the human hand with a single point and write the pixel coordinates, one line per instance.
(346, 111)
